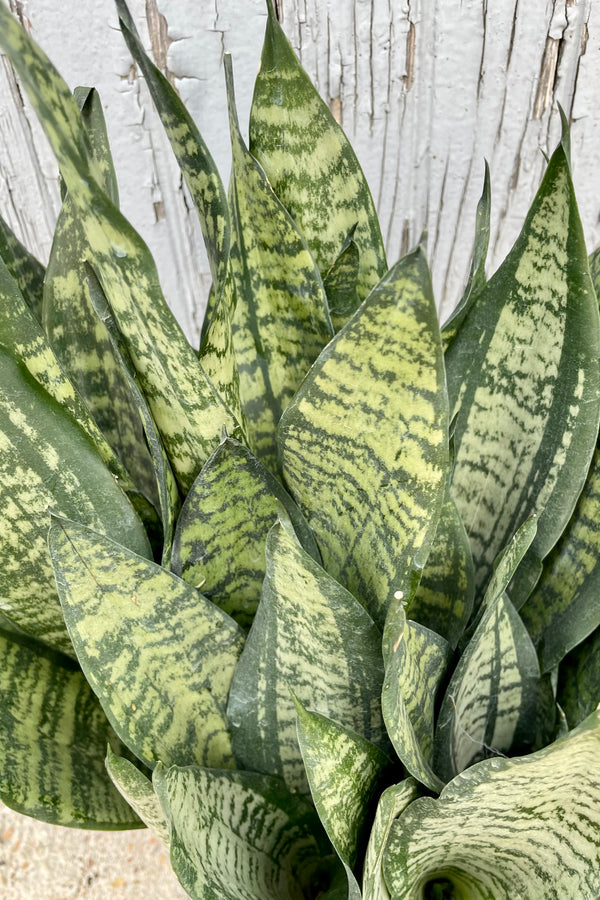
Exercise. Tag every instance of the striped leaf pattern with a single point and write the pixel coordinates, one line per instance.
(26, 270)
(416, 660)
(48, 462)
(364, 449)
(281, 321)
(344, 773)
(507, 828)
(77, 336)
(489, 707)
(523, 373)
(392, 803)
(578, 688)
(240, 835)
(476, 279)
(138, 792)
(341, 283)
(53, 737)
(159, 656)
(223, 525)
(335, 669)
(187, 410)
(444, 598)
(565, 606)
(309, 161)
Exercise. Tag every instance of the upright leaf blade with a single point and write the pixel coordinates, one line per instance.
(281, 320)
(341, 282)
(578, 687)
(138, 792)
(53, 737)
(309, 161)
(523, 373)
(159, 656)
(335, 669)
(392, 803)
(364, 447)
(507, 828)
(26, 270)
(240, 835)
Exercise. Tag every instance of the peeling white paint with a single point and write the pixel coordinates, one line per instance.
(426, 90)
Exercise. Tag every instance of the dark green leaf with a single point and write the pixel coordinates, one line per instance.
(578, 690)
(138, 792)
(392, 803)
(341, 282)
(24, 268)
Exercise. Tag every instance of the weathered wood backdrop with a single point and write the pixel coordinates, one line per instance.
(426, 89)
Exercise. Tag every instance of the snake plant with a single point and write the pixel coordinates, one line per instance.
(320, 601)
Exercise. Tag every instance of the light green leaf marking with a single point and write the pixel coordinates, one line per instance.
(240, 835)
(310, 163)
(223, 525)
(47, 461)
(392, 803)
(523, 373)
(159, 656)
(444, 598)
(24, 268)
(371, 418)
(416, 660)
(476, 279)
(334, 668)
(341, 282)
(507, 828)
(490, 703)
(578, 690)
(565, 606)
(78, 338)
(187, 410)
(53, 737)
(138, 792)
(281, 321)
(344, 772)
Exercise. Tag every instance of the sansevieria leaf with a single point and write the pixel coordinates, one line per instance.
(53, 737)
(137, 790)
(240, 835)
(27, 271)
(310, 163)
(223, 525)
(392, 803)
(312, 637)
(341, 282)
(47, 461)
(364, 448)
(159, 656)
(187, 410)
(344, 774)
(578, 687)
(281, 320)
(523, 375)
(506, 828)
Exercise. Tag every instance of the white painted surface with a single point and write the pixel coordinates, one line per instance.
(426, 90)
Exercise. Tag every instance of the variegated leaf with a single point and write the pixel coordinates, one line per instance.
(507, 828)
(341, 282)
(47, 461)
(444, 598)
(392, 803)
(165, 485)
(159, 656)
(578, 689)
(240, 835)
(311, 636)
(309, 161)
(187, 410)
(415, 660)
(564, 608)
(344, 774)
(138, 792)
(26, 270)
(364, 443)
(523, 374)
(476, 280)
(222, 529)
(53, 737)
(281, 320)
(594, 261)
(77, 336)
(489, 707)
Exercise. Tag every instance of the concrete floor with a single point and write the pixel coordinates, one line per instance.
(45, 862)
